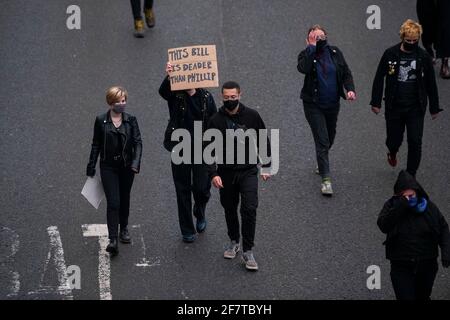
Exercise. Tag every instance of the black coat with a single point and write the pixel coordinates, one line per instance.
(104, 142)
(388, 69)
(246, 118)
(177, 102)
(307, 65)
(413, 235)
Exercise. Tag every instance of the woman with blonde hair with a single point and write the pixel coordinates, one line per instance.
(117, 140)
(406, 71)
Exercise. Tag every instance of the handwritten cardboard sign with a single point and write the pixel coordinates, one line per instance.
(193, 67)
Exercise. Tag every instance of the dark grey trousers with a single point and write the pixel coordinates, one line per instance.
(322, 121)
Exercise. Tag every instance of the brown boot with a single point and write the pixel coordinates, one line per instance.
(139, 28)
(445, 70)
(149, 17)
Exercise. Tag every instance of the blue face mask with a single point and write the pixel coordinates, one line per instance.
(412, 201)
(422, 205)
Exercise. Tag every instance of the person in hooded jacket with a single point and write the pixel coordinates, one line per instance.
(415, 230)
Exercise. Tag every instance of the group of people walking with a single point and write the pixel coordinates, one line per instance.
(404, 79)
(118, 142)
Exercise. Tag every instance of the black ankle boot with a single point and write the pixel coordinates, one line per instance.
(113, 247)
(124, 236)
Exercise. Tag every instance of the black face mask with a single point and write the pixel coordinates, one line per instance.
(320, 44)
(230, 104)
(410, 46)
(119, 107)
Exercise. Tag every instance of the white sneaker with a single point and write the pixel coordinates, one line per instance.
(232, 250)
(249, 260)
(327, 189)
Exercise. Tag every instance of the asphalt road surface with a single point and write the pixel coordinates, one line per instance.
(53, 83)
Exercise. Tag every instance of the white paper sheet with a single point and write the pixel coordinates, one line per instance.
(93, 191)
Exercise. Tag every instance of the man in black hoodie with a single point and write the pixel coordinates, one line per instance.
(408, 73)
(415, 230)
(238, 178)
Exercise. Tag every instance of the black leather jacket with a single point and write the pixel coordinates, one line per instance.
(105, 141)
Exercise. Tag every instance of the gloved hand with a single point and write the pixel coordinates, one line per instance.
(90, 172)
(402, 202)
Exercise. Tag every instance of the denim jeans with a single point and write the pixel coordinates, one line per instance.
(323, 126)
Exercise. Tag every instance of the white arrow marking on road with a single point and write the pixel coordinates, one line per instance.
(104, 266)
(56, 250)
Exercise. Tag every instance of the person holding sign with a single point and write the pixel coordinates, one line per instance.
(326, 75)
(236, 178)
(190, 179)
(138, 21)
(117, 140)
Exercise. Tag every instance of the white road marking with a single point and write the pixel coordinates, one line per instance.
(12, 238)
(144, 262)
(104, 265)
(56, 251)
(15, 284)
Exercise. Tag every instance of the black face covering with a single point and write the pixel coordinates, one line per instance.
(119, 107)
(320, 44)
(410, 46)
(230, 104)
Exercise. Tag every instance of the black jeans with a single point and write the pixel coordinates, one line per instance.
(245, 184)
(413, 280)
(136, 8)
(117, 183)
(191, 180)
(323, 126)
(395, 128)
